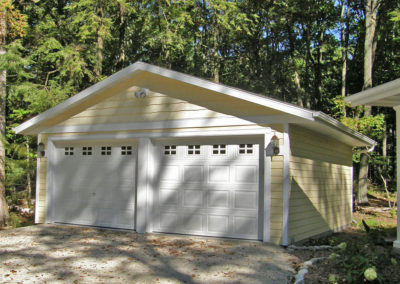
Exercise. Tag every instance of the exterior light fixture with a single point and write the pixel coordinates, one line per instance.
(142, 93)
(41, 151)
(275, 145)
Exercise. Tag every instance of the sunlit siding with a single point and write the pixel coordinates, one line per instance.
(127, 108)
(321, 184)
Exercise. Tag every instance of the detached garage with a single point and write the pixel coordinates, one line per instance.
(154, 150)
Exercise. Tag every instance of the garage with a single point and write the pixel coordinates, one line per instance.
(208, 189)
(95, 184)
(156, 150)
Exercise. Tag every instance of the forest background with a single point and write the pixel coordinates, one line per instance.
(311, 53)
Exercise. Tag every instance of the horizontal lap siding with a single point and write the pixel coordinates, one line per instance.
(321, 190)
(276, 198)
(127, 108)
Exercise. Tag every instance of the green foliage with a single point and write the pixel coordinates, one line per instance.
(372, 126)
(370, 274)
(286, 49)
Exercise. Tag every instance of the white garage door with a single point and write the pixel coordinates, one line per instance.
(95, 185)
(208, 190)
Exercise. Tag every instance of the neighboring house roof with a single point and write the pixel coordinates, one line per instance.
(164, 80)
(387, 95)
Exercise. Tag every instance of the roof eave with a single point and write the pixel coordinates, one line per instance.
(368, 96)
(333, 123)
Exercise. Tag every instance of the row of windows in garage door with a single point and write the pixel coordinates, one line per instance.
(220, 149)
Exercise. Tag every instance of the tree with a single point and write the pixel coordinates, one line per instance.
(371, 13)
(3, 76)
(8, 17)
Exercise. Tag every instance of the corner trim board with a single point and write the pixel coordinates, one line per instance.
(267, 190)
(38, 188)
(286, 186)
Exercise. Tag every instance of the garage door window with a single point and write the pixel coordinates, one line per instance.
(194, 150)
(69, 151)
(126, 150)
(106, 150)
(87, 151)
(170, 150)
(246, 149)
(219, 149)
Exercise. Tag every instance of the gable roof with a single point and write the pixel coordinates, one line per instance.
(164, 80)
(386, 95)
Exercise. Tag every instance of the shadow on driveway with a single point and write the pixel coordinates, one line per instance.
(60, 253)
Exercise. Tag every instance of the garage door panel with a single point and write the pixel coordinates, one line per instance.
(245, 200)
(193, 173)
(218, 224)
(193, 198)
(246, 174)
(168, 197)
(218, 199)
(243, 225)
(192, 223)
(170, 173)
(169, 220)
(218, 174)
(214, 193)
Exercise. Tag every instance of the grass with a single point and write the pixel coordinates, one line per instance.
(17, 220)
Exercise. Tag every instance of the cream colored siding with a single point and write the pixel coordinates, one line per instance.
(125, 107)
(321, 190)
(276, 198)
(41, 209)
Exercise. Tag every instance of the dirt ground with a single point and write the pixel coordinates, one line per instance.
(374, 246)
(59, 254)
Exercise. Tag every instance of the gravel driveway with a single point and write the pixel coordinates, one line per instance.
(59, 254)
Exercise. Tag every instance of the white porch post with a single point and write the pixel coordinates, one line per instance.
(396, 243)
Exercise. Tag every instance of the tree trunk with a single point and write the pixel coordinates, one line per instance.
(216, 56)
(384, 139)
(362, 197)
(344, 52)
(371, 12)
(3, 203)
(122, 28)
(98, 68)
(299, 90)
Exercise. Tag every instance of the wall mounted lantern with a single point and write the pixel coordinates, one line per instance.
(41, 151)
(275, 145)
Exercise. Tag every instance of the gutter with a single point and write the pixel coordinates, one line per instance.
(331, 122)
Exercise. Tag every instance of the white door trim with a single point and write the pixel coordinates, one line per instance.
(266, 189)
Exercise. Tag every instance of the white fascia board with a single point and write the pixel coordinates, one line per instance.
(333, 123)
(369, 96)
